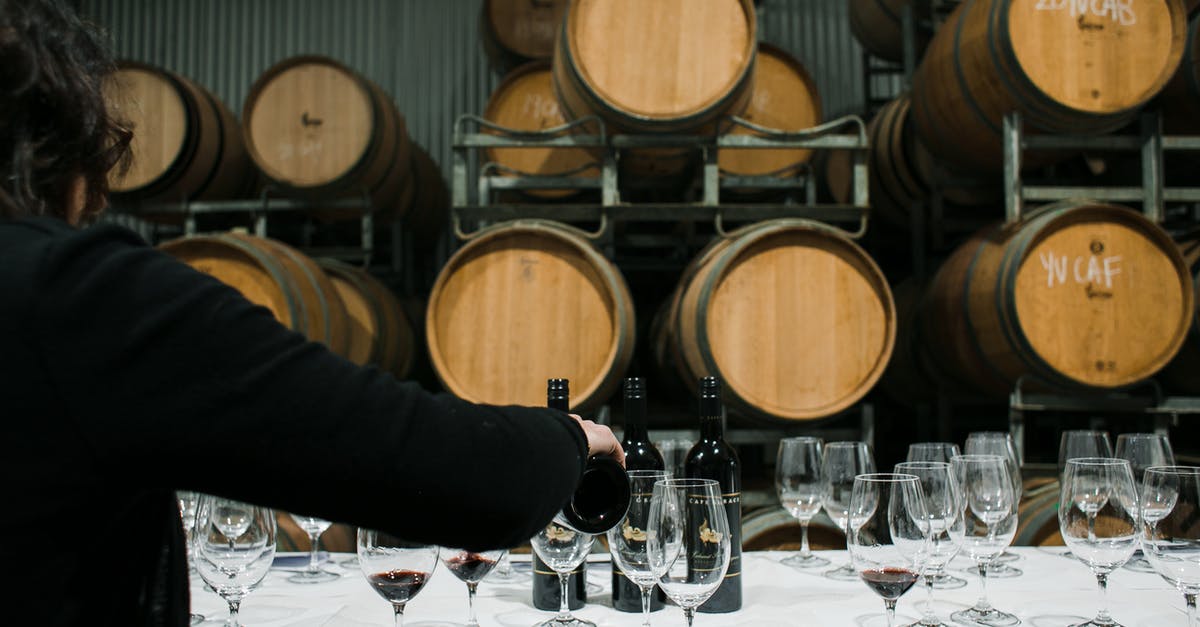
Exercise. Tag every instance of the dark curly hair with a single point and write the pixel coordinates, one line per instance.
(54, 123)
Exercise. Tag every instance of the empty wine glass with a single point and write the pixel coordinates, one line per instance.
(1082, 443)
(1000, 443)
(314, 527)
(187, 514)
(562, 549)
(1170, 531)
(798, 484)
(943, 504)
(688, 541)
(471, 567)
(674, 452)
(627, 541)
(395, 568)
(1142, 451)
(889, 534)
(932, 452)
(841, 463)
(235, 545)
(1098, 518)
(989, 524)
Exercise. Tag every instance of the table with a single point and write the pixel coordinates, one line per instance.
(1054, 591)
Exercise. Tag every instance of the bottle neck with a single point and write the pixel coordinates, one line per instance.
(635, 420)
(561, 403)
(712, 427)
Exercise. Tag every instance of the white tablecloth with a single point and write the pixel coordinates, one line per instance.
(1053, 591)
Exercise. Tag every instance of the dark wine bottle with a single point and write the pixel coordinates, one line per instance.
(713, 458)
(640, 454)
(546, 589)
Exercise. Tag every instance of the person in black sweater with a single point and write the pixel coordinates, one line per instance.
(126, 375)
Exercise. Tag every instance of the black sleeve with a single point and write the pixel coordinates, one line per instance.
(179, 382)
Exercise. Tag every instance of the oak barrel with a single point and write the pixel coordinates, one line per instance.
(1068, 67)
(317, 127)
(1184, 372)
(525, 101)
(380, 334)
(909, 377)
(1037, 514)
(774, 529)
(521, 29)
(526, 301)
(426, 213)
(273, 275)
(655, 67)
(1060, 297)
(879, 26)
(783, 96)
(186, 145)
(794, 316)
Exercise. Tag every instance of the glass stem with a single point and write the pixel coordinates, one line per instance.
(471, 586)
(234, 606)
(1091, 528)
(313, 565)
(689, 613)
(398, 614)
(889, 606)
(982, 605)
(564, 604)
(930, 617)
(1103, 617)
(646, 591)
(805, 552)
(1190, 600)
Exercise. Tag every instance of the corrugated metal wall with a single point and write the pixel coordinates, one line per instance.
(426, 53)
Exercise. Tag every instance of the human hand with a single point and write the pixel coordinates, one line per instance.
(600, 440)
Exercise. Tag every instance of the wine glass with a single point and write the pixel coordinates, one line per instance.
(395, 568)
(932, 452)
(798, 484)
(674, 452)
(688, 541)
(235, 545)
(989, 524)
(1077, 443)
(1143, 450)
(187, 514)
(314, 527)
(562, 549)
(943, 504)
(1098, 518)
(841, 462)
(1000, 443)
(889, 534)
(1170, 498)
(627, 541)
(471, 567)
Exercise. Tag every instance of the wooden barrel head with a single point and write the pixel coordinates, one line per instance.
(309, 122)
(524, 303)
(257, 275)
(783, 96)
(1097, 57)
(1081, 294)
(363, 315)
(662, 59)
(526, 101)
(152, 104)
(526, 28)
(798, 322)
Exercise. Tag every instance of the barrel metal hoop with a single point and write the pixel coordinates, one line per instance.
(272, 267)
(961, 76)
(312, 279)
(972, 332)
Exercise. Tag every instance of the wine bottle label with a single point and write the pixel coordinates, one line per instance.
(728, 597)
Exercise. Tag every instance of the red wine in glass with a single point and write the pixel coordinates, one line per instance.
(398, 586)
(471, 567)
(889, 583)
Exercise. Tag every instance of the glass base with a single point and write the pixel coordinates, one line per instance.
(931, 621)
(1006, 556)
(320, 576)
(1003, 571)
(993, 618)
(195, 619)
(1093, 623)
(350, 563)
(845, 572)
(1139, 565)
(804, 561)
(570, 621)
(945, 581)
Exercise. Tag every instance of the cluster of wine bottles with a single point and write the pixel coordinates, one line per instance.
(711, 458)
